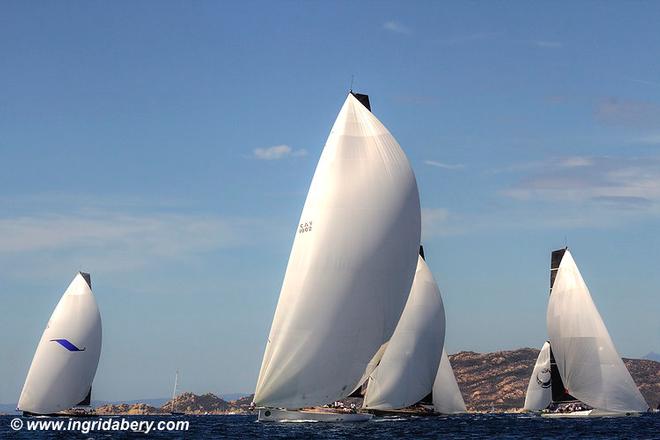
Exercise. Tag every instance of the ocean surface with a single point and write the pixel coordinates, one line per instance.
(468, 426)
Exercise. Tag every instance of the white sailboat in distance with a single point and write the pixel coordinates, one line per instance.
(587, 376)
(349, 273)
(173, 404)
(65, 362)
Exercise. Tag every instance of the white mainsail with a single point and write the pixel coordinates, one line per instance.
(350, 269)
(67, 356)
(447, 397)
(410, 363)
(539, 390)
(588, 362)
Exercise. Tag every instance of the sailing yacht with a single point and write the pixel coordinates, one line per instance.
(413, 375)
(579, 372)
(64, 364)
(349, 273)
(408, 368)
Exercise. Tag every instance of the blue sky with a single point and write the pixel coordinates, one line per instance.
(167, 147)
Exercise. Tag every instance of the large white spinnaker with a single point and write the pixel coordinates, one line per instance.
(587, 361)
(447, 397)
(409, 365)
(539, 389)
(350, 269)
(67, 356)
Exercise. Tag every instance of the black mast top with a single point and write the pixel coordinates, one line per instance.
(555, 261)
(364, 99)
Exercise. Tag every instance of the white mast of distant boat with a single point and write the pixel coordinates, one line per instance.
(176, 382)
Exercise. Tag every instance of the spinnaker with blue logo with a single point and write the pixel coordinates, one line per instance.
(64, 365)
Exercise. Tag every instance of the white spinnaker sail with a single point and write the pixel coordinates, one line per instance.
(67, 356)
(539, 390)
(447, 397)
(588, 363)
(410, 363)
(350, 269)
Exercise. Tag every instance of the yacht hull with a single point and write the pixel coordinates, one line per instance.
(589, 413)
(285, 415)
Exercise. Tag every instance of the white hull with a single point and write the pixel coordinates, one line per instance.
(285, 415)
(589, 413)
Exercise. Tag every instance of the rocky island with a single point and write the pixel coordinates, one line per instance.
(490, 382)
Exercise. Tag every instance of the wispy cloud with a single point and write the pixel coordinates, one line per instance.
(627, 112)
(649, 139)
(277, 152)
(445, 166)
(439, 222)
(575, 161)
(396, 27)
(645, 82)
(547, 44)
(627, 183)
(150, 235)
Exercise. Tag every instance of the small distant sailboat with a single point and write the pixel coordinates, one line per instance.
(65, 362)
(539, 389)
(407, 370)
(587, 377)
(173, 404)
(349, 273)
(447, 397)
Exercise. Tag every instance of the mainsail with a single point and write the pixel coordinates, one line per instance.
(351, 266)
(539, 390)
(67, 356)
(410, 363)
(587, 361)
(447, 397)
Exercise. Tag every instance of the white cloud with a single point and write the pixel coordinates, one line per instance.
(625, 183)
(445, 166)
(650, 139)
(628, 112)
(396, 27)
(277, 152)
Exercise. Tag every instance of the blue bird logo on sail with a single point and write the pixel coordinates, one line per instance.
(68, 345)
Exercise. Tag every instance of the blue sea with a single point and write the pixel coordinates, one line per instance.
(468, 426)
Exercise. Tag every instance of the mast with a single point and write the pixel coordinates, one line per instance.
(559, 391)
(176, 380)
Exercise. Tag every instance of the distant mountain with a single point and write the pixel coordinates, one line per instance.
(498, 381)
(653, 357)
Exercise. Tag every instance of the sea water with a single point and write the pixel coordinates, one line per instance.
(468, 426)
